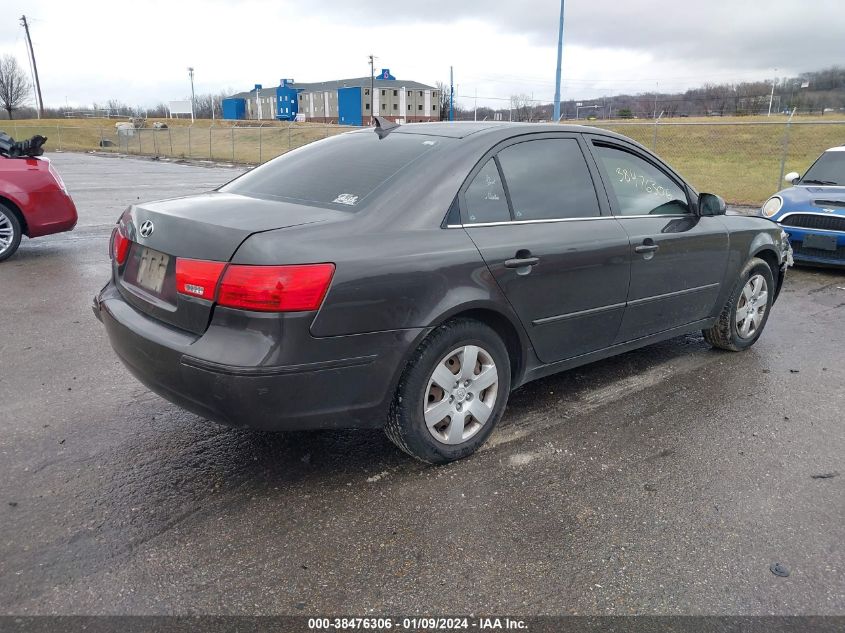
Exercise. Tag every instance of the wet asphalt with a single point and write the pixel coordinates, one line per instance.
(663, 481)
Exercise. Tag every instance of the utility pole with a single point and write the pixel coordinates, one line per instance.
(372, 90)
(193, 107)
(556, 116)
(34, 67)
(451, 94)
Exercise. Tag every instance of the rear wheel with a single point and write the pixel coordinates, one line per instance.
(10, 232)
(744, 316)
(452, 393)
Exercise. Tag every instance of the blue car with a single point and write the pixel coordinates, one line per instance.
(812, 210)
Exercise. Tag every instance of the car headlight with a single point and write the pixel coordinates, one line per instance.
(772, 206)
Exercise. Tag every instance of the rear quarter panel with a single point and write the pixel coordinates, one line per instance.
(29, 185)
(384, 280)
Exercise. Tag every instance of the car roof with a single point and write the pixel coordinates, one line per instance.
(463, 129)
(840, 148)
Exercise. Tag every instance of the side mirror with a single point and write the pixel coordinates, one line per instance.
(711, 204)
(792, 177)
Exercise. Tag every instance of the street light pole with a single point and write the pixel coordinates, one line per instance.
(772, 95)
(372, 91)
(191, 74)
(451, 94)
(556, 116)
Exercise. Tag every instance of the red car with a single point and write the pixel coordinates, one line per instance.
(33, 202)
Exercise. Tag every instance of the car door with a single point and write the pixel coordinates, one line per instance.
(558, 255)
(678, 258)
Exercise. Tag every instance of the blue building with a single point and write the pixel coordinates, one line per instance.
(344, 101)
(263, 103)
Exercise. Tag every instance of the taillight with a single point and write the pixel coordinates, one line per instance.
(275, 288)
(197, 278)
(119, 246)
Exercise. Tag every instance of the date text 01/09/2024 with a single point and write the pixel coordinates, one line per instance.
(416, 624)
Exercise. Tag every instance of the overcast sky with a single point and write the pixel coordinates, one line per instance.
(139, 52)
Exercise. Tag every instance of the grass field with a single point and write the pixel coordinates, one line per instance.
(737, 157)
(222, 140)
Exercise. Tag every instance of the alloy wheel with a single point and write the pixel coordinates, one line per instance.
(461, 394)
(7, 232)
(751, 307)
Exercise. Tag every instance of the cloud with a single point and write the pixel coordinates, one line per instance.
(498, 48)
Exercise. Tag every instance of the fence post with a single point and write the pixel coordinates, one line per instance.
(233, 143)
(289, 126)
(210, 153)
(140, 151)
(654, 142)
(189, 141)
(785, 149)
(259, 144)
(155, 142)
(59, 134)
(101, 137)
(170, 138)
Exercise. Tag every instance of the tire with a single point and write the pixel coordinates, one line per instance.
(10, 232)
(744, 316)
(445, 440)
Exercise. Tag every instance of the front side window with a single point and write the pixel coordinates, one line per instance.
(640, 187)
(548, 179)
(485, 197)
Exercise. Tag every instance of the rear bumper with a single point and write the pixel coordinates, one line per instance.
(51, 212)
(333, 382)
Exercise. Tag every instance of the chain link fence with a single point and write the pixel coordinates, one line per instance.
(250, 145)
(744, 162)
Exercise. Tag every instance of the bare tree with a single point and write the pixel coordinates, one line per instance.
(520, 105)
(14, 86)
(443, 99)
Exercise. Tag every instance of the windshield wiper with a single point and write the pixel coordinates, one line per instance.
(811, 181)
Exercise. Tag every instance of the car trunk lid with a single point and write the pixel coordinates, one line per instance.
(206, 227)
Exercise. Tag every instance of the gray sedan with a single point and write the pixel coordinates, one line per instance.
(409, 277)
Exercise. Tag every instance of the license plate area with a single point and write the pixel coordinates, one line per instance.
(152, 272)
(821, 242)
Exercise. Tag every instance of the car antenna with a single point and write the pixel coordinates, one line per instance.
(384, 126)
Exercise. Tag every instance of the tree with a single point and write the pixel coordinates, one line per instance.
(443, 99)
(520, 107)
(14, 86)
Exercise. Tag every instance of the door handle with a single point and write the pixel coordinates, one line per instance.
(646, 248)
(521, 262)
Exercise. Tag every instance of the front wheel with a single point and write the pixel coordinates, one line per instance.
(10, 232)
(452, 393)
(744, 316)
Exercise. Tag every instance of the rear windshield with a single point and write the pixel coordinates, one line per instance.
(339, 172)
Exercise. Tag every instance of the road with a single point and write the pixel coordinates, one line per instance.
(663, 481)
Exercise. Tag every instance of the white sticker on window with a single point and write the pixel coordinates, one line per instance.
(346, 198)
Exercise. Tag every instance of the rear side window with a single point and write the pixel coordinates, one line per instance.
(342, 171)
(485, 196)
(640, 187)
(548, 179)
